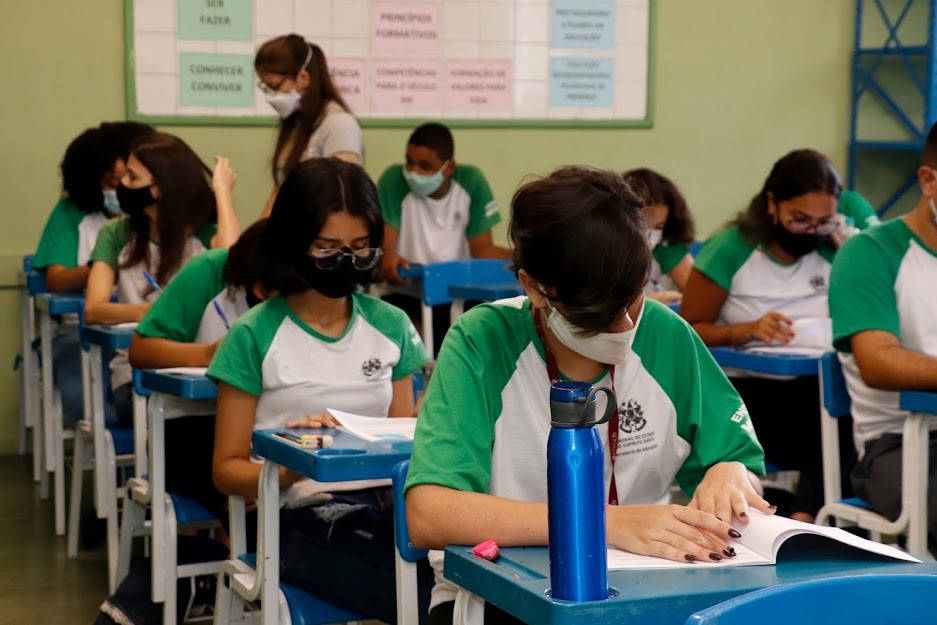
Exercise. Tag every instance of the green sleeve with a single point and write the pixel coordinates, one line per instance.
(722, 255)
(669, 256)
(862, 285)
(711, 416)
(59, 242)
(177, 314)
(396, 326)
(206, 233)
(112, 239)
(856, 207)
(484, 212)
(391, 190)
(456, 426)
(239, 357)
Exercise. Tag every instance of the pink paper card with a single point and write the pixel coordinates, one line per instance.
(404, 28)
(404, 85)
(480, 85)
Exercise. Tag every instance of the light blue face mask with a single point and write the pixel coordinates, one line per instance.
(424, 185)
(111, 204)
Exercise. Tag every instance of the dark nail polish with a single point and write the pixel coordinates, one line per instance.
(730, 552)
(772, 507)
(743, 514)
(734, 533)
(715, 556)
(690, 557)
(718, 518)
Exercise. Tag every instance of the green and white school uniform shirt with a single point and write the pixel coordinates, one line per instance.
(112, 247)
(883, 279)
(69, 236)
(857, 210)
(435, 231)
(664, 258)
(186, 313)
(296, 371)
(485, 419)
(757, 283)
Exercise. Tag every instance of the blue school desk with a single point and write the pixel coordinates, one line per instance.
(32, 283)
(181, 385)
(773, 364)
(918, 401)
(51, 305)
(518, 582)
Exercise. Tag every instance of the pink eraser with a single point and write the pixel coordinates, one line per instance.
(487, 550)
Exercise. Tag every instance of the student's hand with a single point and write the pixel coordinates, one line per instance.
(389, 267)
(773, 328)
(223, 177)
(318, 420)
(727, 491)
(666, 297)
(671, 532)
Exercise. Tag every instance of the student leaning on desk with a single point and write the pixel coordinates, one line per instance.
(479, 460)
(320, 344)
(769, 267)
(176, 209)
(883, 298)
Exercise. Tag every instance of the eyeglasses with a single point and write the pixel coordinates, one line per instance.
(802, 226)
(329, 257)
(268, 89)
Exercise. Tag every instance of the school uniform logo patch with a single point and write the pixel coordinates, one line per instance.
(818, 283)
(631, 417)
(370, 367)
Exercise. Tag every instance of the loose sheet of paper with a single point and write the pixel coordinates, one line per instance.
(375, 428)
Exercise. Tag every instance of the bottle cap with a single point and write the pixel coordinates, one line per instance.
(572, 404)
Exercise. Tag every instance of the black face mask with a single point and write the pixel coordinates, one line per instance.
(338, 282)
(133, 201)
(797, 244)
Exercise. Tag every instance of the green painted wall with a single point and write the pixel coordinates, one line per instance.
(739, 82)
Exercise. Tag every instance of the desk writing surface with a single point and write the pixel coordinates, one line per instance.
(60, 304)
(919, 401)
(113, 337)
(519, 581)
(350, 458)
(485, 292)
(774, 364)
(178, 384)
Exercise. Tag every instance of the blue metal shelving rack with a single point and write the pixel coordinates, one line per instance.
(874, 65)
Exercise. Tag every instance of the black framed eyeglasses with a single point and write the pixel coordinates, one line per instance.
(330, 257)
(801, 226)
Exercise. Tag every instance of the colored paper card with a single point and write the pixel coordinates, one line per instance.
(350, 78)
(582, 24)
(480, 85)
(581, 82)
(215, 20)
(402, 85)
(404, 28)
(219, 80)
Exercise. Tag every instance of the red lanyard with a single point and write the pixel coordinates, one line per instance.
(554, 373)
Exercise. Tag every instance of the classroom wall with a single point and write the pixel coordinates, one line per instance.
(738, 83)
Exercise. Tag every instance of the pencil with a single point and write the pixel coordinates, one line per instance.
(726, 549)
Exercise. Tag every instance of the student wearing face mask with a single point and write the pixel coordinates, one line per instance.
(320, 343)
(315, 122)
(478, 469)
(175, 208)
(669, 234)
(750, 281)
(92, 167)
(883, 297)
(435, 210)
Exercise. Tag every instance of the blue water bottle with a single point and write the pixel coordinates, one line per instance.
(576, 493)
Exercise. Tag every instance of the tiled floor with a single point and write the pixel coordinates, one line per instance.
(38, 584)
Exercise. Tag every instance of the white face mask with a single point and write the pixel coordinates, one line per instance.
(285, 104)
(111, 203)
(424, 185)
(610, 348)
(653, 237)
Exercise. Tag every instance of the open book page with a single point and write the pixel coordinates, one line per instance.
(375, 428)
(194, 371)
(813, 336)
(761, 540)
(127, 325)
(813, 352)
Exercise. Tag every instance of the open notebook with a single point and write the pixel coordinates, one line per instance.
(762, 539)
(813, 336)
(375, 428)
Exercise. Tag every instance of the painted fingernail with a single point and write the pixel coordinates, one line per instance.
(772, 507)
(715, 556)
(729, 551)
(719, 518)
(690, 557)
(743, 514)
(734, 533)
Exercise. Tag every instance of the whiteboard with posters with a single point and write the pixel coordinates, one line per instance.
(549, 63)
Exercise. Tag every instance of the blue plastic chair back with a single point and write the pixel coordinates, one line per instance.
(835, 396)
(439, 276)
(695, 247)
(138, 387)
(857, 600)
(401, 532)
